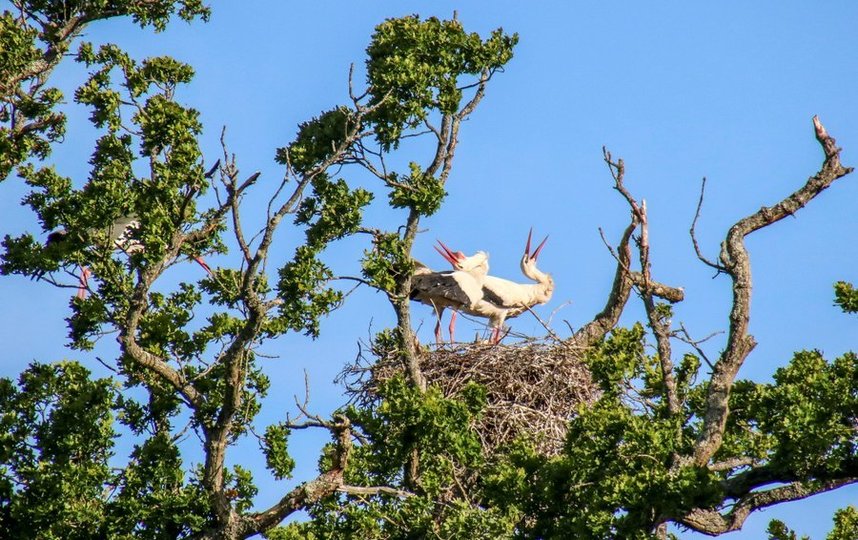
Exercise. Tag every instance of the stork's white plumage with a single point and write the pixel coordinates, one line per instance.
(460, 289)
(120, 234)
(503, 299)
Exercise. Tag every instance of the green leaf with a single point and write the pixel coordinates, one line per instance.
(418, 191)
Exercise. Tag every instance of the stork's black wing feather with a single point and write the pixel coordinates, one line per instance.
(492, 297)
(438, 287)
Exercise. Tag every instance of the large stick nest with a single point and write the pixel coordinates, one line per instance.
(533, 388)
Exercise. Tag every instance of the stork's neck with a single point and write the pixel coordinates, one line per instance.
(542, 290)
(480, 271)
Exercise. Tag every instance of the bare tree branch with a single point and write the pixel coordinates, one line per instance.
(693, 231)
(666, 292)
(736, 261)
(374, 490)
(684, 336)
(658, 321)
(713, 523)
(607, 319)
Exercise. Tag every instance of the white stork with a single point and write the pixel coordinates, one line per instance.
(120, 236)
(502, 298)
(460, 289)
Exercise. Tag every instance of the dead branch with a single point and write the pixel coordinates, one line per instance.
(684, 336)
(666, 292)
(607, 319)
(693, 232)
(658, 323)
(648, 288)
(548, 329)
(736, 262)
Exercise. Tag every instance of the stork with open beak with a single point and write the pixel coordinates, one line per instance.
(120, 234)
(503, 299)
(460, 289)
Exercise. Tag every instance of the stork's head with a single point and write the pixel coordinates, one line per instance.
(479, 260)
(478, 263)
(528, 260)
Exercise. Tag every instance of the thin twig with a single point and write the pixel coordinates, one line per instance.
(692, 232)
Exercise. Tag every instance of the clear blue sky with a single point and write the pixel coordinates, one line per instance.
(680, 91)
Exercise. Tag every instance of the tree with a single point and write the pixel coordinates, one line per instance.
(657, 447)
(416, 70)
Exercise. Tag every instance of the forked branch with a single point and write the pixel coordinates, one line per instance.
(607, 319)
(714, 523)
(625, 279)
(308, 493)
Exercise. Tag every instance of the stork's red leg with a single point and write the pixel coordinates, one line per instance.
(495, 335)
(202, 263)
(84, 282)
(452, 327)
(439, 314)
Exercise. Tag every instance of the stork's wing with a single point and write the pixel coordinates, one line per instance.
(438, 288)
(504, 297)
(495, 305)
(492, 297)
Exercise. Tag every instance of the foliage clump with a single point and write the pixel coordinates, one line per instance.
(418, 191)
(317, 140)
(846, 296)
(414, 66)
(387, 263)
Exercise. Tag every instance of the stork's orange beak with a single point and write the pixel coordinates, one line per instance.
(452, 257)
(538, 248)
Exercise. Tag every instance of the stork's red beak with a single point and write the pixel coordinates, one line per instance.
(538, 248)
(452, 257)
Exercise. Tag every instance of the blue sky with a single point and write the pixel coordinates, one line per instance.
(678, 90)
